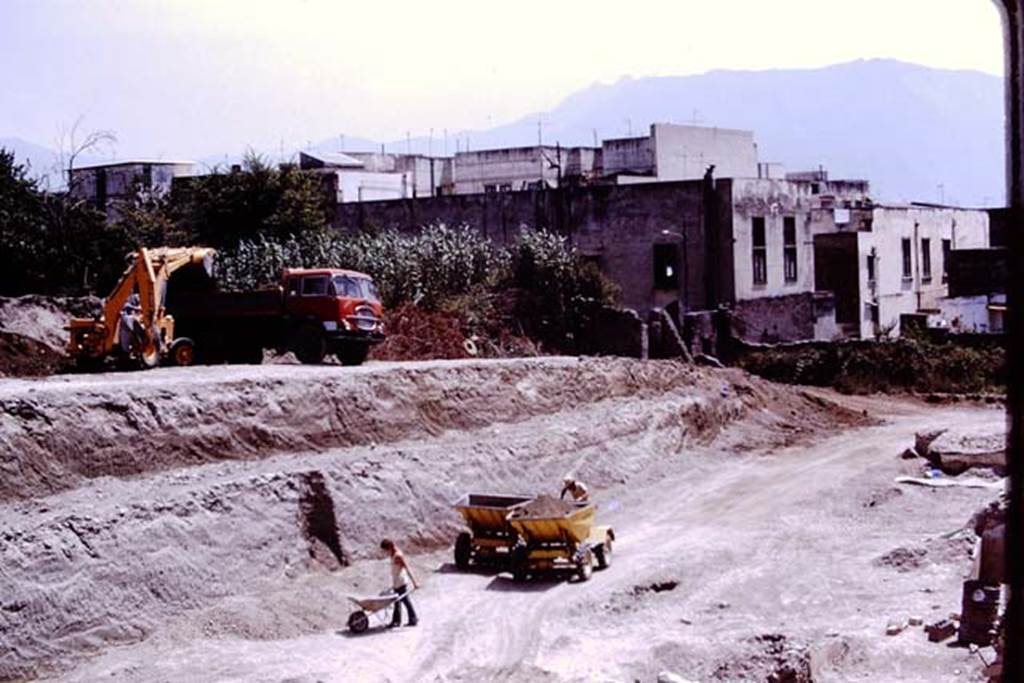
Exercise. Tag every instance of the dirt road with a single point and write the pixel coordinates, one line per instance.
(734, 562)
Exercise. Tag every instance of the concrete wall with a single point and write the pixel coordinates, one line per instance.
(365, 186)
(426, 175)
(515, 168)
(614, 226)
(631, 156)
(684, 152)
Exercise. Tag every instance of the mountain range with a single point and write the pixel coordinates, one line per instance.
(917, 133)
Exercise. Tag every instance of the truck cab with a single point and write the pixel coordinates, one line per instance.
(333, 311)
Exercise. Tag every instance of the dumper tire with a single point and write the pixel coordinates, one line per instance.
(463, 550)
(585, 566)
(182, 353)
(603, 554)
(309, 345)
(520, 562)
(358, 621)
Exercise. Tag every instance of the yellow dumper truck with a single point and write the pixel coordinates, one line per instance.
(532, 535)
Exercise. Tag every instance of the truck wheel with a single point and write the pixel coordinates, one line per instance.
(585, 566)
(463, 550)
(603, 554)
(353, 354)
(309, 345)
(182, 353)
(247, 354)
(358, 622)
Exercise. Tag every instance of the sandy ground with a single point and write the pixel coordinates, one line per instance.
(756, 527)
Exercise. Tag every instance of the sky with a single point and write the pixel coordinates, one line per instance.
(193, 78)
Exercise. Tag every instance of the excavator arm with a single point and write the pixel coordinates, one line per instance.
(147, 275)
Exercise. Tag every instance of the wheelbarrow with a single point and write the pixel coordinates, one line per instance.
(380, 607)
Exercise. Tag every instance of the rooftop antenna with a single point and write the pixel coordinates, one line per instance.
(430, 143)
(696, 117)
(446, 142)
(629, 127)
(595, 136)
(341, 141)
(408, 143)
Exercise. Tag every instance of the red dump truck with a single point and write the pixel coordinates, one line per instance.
(313, 313)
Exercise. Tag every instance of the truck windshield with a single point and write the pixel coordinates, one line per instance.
(355, 287)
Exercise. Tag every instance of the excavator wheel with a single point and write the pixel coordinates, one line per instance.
(182, 353)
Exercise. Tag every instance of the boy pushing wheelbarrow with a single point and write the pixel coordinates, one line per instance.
(359, 620)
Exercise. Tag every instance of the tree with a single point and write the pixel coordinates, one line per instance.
(223, 209)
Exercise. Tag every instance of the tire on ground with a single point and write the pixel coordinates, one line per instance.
(352, 354)
(463, 550)
(309, 345)
(358, 621)
(182, 353)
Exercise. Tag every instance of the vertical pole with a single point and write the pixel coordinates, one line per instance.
(1013, 33)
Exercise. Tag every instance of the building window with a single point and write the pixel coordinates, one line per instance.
(871, 267)
(666, 266)
(947, 247)
(789, 247)
(926, 259)
(760, 251)
(908, 271)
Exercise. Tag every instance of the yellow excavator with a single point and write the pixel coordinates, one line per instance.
(134, 326)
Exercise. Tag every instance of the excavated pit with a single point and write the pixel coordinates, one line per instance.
(127, 499)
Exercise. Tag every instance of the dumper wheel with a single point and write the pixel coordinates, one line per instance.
(358, 621)
(309, 345)
(520, 562)
(182, 353)
(463, 550)
(603, 554)
(585, 566)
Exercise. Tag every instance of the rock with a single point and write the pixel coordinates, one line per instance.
(957, 450)
(910, 454)
(894, 629)
(915, 621)
(923, 440)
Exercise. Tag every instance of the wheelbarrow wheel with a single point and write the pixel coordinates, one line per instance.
(603, 554)
(358, 621)
(585, 566)
(463, 550)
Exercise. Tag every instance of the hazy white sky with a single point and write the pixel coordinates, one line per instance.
(195, 77)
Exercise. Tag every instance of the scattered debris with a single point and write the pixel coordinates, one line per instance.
(915, 621)
(969, 483)
(669, 677)
(910, 454)
(902, 559)
(940, 630)
(894, 628)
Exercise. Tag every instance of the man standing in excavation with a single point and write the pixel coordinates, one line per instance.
(399, 570)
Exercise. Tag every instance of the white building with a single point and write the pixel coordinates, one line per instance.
(675, 152)
(109, 183)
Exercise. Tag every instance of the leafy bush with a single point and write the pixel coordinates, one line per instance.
(910, 363)
(538, 287)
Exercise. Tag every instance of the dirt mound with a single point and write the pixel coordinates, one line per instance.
(43, 318)
(32, 334)
(544, 507)
(22, 356)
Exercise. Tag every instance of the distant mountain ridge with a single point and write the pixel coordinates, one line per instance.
(917, 133)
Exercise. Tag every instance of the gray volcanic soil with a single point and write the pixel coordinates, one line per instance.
(209, 521)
